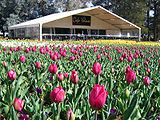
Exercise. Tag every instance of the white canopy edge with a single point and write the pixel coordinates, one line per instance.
(56, 16)
(119, 17)
(29, 25)
(51, 17)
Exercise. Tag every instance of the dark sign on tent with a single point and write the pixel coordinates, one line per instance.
(81, 20)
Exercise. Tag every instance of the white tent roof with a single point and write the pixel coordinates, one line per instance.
(97, 11)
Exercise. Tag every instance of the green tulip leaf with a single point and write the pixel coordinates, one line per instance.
(131, 109)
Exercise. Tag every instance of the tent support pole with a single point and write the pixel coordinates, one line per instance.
(139, 37)
(51, 33)
(40, 30)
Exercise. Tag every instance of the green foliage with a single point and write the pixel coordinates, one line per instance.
(139, 102)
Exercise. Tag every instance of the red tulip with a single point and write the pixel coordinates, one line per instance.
(76, 52)
(53, 57)
(95, 49)
(124, 55)
(136, 65)
(27, 50)
(72, 51)
(74, 77)
(96, 69)
(121, 59)
(53, 68)
(38, 65)
(130, 75)
(66, 75)
(148, 70)
(11, 75)
(72, 58)
(146, 81)
(18, 104)
(22, 58)
(141, 55)
(135, 55)
(34, 49)
(4, 49)
(97, 97)
(42, 50)
(146, 62)
(98, 56)
(70, 115)
(80, 54)
(129, 59)
(63, 53)
(128, 69)
(60, 76)
(11, 49)
(58, 56)
(110, 58)
(57, 95)
(47, 48)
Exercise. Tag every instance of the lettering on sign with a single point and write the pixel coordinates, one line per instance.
(81, 20)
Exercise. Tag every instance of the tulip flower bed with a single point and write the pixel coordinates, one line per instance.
(82, 82)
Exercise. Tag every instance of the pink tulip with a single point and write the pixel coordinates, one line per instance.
(53, 68)
(96, 69)
(18, 104)
(129, 59)
(66, 75)
(27, 50)
(136, 65)
(38, 65)
(34, 49)
(57, 95)
(11, 75)
(130, 75)
(148, 70)
(4, 49)
(121, 59)
(22, 58)
(74, 77)
(146, 81)
(97, 97)
(72, 58)
(98, 56)
(53, 57)
(80, 54)
(135, 55)
(124, 55)
(42, 50)
(63, 53)
(70, 115)
(60, 76)
(128, 69)
(146, 62)
(110, 58)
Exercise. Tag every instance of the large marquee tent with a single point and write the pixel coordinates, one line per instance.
(94, 22)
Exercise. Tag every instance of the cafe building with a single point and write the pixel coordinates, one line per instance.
(88, 23)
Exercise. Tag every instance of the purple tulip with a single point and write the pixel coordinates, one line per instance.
(39, 90)
(23, 117)
(113, 111)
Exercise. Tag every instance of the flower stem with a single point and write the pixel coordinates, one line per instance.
(97, 79)
(74, 91)
(96, 115)
(59, 110)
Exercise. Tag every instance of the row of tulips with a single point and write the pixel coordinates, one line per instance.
(81, 82)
